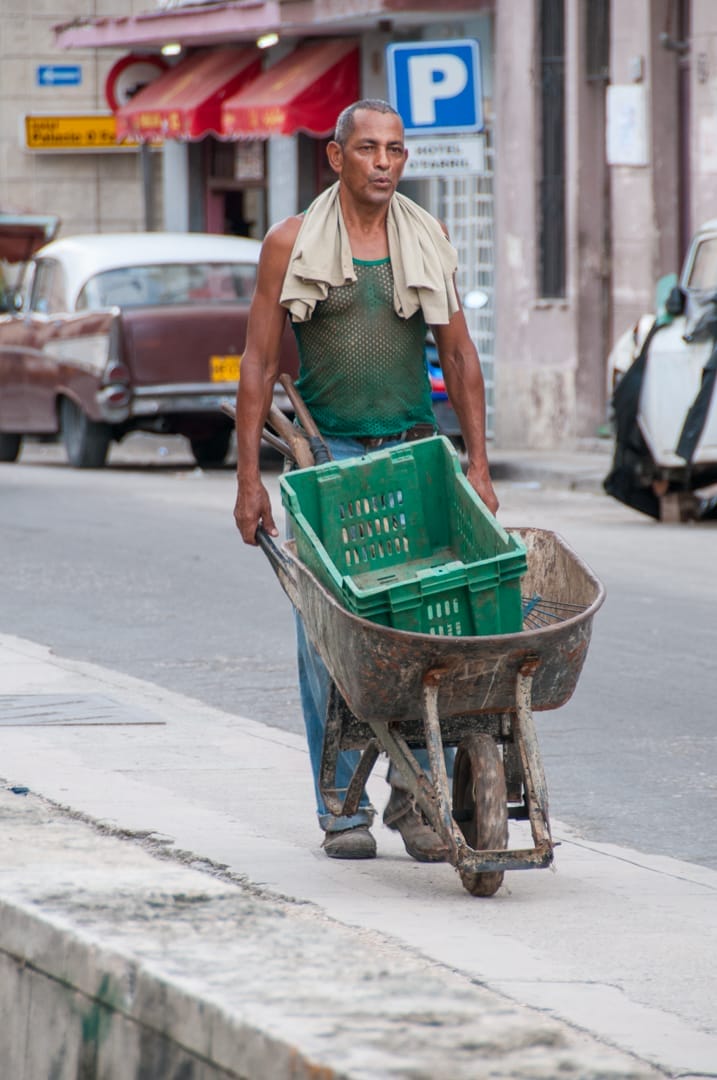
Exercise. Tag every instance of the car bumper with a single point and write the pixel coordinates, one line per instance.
(146, 402)
(163, 400)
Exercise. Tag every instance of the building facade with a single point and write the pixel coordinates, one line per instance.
(606, 129)
(599, 159)
(49, 91)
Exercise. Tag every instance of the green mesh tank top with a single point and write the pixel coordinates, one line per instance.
(363, 369)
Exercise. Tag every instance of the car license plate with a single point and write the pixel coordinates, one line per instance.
(224, 368)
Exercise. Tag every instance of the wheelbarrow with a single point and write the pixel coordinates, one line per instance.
(396, 691)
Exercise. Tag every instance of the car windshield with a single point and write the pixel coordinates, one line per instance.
(169, 284)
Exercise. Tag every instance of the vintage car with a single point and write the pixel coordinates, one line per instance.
(110, 334)
(661, 381)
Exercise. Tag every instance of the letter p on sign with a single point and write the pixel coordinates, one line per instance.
(435, 86)
(433, 77)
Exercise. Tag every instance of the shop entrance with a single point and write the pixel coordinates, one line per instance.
(236, 187)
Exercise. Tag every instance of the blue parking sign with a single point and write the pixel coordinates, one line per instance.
(435, 86)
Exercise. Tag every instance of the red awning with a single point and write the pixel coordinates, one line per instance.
(186, 102)
(305, 91)
(231, 21)
(22, 234)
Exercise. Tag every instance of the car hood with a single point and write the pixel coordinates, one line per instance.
(22, 234)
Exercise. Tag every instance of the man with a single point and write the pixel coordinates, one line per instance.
(362, 274)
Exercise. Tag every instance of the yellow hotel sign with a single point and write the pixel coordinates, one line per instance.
(86, 132)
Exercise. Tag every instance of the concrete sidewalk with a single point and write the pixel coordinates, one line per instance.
(137, 938)
(582, 469)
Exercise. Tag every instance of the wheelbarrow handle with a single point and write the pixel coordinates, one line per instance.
(319, 449)
(281, 564)
(291, 442)
(296, 440)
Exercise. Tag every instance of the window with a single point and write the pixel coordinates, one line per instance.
(551, 270)
(48, 293)
(597, 41)
(169, 284)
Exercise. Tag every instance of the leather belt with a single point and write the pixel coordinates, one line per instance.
(419, 431)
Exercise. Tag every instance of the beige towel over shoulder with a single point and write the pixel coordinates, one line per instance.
(422, 259)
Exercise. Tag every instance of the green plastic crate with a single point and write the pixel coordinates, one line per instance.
(401, 538)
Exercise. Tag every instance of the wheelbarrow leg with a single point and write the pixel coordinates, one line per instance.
(402, 758)
(434, 746)
(526, 738)
(342, 803)
(433, 795)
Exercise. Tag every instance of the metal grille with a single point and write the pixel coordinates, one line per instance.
(465, 205)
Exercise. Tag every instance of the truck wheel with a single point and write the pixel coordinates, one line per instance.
(480, 806)
(10, 447)
(211, 452)
(86, 441)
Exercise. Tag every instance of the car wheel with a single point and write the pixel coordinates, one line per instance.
(10, 447)
(86, 441)
(211, 452)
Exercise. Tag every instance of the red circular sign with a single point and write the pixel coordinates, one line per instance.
(129, 75)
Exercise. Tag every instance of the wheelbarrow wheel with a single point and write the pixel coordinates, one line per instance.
(480, 806)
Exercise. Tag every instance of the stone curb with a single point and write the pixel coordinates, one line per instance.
(116, 962)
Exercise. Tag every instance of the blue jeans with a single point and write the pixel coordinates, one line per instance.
(314, 686)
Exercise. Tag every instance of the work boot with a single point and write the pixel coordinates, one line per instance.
(355, 843)
(421, 841)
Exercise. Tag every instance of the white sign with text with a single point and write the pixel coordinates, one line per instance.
(445, 156)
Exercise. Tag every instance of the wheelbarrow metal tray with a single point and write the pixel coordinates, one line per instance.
(401, 538)
(380, 671)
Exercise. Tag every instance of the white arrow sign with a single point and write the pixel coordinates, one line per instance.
(59, 75)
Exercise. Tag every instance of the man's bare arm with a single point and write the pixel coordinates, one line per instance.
(259, 371)
(464, 383)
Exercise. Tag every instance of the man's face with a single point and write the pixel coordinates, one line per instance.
(371, 163)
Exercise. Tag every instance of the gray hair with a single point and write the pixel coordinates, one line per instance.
(346, 122)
